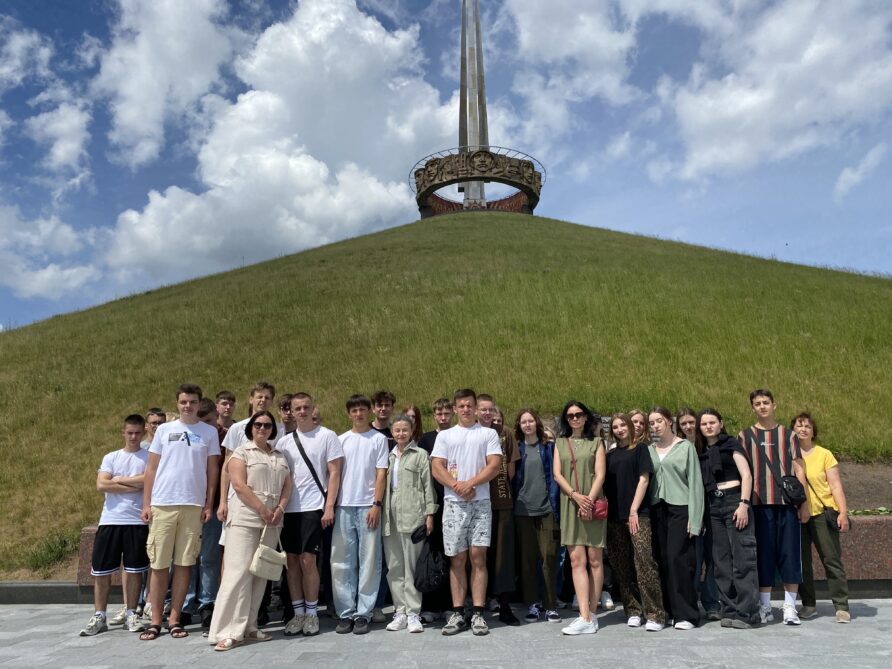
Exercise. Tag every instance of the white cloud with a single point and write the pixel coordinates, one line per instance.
(33, 253)
(790, 79)
(24, 53)
(852, 176)
(164, 57)
(64, 131)
(317, 150)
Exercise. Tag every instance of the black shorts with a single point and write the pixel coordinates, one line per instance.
(112, 542)
(302, 532)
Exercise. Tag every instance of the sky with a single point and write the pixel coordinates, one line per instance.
(144, 142)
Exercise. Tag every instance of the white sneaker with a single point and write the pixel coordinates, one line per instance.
(634, 621)
(399, 622)
(378, 616)
(415, 624)
(96, 625)
(653, 626)
(428, 617)
(581, 626)
(295, 626)
(147, 611)
(493, 605)
(790, 615)
(684, 625)
(765, 614)
(119, 618)
(134, 624)
(607, 601)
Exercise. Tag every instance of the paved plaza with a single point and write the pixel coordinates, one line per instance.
(47, 636)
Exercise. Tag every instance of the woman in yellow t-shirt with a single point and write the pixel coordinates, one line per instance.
(824, 491)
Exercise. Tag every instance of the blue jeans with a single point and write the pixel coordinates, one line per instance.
(355, 562)
(205, 578)
(707, 589)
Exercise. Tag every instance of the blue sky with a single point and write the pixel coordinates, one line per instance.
(143, 143)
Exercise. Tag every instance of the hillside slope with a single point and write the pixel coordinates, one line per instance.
(532, 310)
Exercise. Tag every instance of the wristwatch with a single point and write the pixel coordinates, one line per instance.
(747, 502)
(378, 503)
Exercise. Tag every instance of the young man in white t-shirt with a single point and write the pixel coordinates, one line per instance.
(181, 479)
(122, 534)
(356, 545)
(465, 459)
(310, 509)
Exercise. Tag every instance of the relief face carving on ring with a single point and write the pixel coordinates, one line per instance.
(482, 164)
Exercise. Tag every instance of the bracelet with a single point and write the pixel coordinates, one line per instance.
(746, 501)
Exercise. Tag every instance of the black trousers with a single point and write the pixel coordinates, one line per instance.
(676, 555)
(734, 556)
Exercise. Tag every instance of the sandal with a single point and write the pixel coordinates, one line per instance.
(226, 644)
(258, 635)
(177, 631)
(151, 633)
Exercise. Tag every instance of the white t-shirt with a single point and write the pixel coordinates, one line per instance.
(182, 476)
(321, 446)
(364, 455)
(465, 450)
(236, 436)
(123, 508)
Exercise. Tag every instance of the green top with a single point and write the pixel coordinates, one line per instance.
(574, 530)
(677, 480)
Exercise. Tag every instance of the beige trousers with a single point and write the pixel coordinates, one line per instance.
(240, 593)
(401, 555)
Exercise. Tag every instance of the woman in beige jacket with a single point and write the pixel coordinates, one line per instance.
(262, 482)
(409, 503)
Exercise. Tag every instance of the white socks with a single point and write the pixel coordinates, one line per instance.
(765, 598)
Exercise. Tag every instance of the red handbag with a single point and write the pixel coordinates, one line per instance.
(599, 509)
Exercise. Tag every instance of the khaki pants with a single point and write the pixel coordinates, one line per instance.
(401, 555)
(537, 539)
(240, 593)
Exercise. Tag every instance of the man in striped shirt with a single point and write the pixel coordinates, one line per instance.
(772, 447)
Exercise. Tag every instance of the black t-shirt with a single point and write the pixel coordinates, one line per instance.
(427, 443)
(717, 461)
(624, 468)
(391, 442)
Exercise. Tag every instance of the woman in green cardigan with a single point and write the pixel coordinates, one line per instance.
(677, 502)
(409, 503)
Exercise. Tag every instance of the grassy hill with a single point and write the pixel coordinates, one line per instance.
(532, 310)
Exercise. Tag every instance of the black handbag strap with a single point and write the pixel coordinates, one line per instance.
(303, 454)
(817, 496)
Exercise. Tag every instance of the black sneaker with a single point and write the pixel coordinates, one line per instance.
(262, 618)
(345, 626)
(506, 616)
(361, 625)
(185, 619)
(206, 615)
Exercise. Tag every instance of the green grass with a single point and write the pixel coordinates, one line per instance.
(532, 310)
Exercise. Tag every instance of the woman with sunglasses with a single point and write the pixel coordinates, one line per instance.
(677, 501)
(261, 479)
(580, 465)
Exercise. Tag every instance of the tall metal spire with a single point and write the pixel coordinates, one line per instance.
(473, 130)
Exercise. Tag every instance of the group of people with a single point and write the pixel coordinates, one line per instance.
(681, 507)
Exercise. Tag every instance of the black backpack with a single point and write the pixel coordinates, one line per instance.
(431, 570)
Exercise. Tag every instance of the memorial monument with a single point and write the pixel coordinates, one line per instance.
(474, 162)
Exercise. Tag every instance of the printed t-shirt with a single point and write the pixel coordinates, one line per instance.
(391, 442)
(321, 446)
(780, 446)
(465, 450)
(182, 472)
(123, 508)
(817, 461)
(500, 486)
(364, 454)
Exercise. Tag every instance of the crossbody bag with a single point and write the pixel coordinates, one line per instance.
(599, 508)
(791, 487)
(303, 454)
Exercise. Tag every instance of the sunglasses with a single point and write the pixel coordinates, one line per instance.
(263, 426)
(155, 423)
(575, 416)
